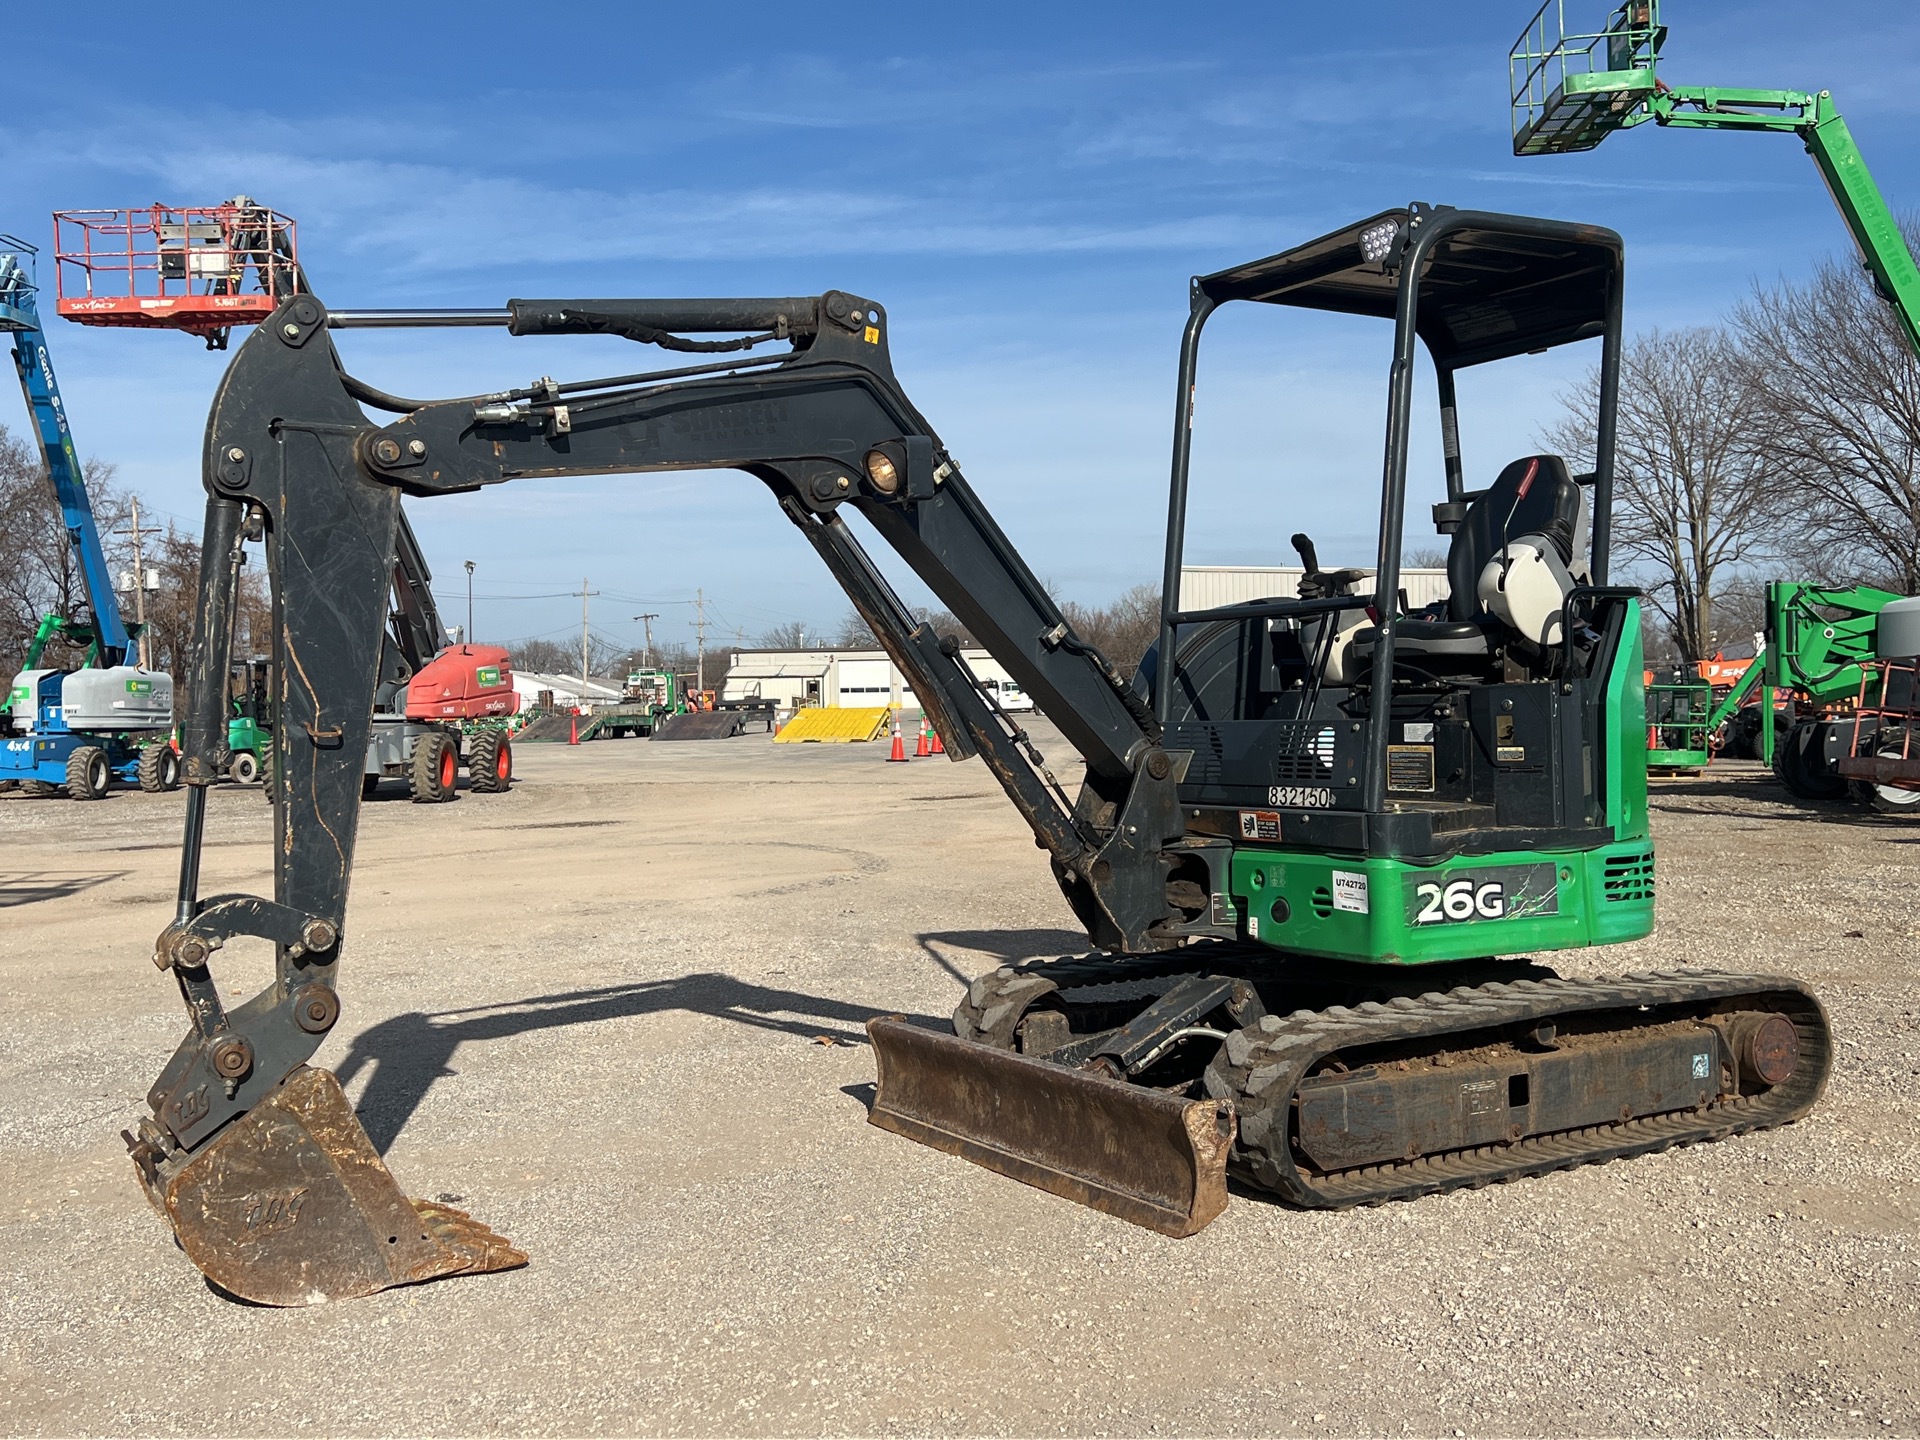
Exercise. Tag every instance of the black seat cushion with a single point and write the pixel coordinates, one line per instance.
(1534, 495)
(1448, 639)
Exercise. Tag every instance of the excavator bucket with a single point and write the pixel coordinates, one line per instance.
(1143, 1155)
(291, 1205)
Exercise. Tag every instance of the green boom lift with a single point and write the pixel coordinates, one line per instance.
(1818, 639)
(1570, 90)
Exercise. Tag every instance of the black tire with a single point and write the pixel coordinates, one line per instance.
(1800, 762)
(269, 779)
(1890, 799)
(243, 768)
(89, 773)
(369, 784)
(435, 769)
(39, 789)
(159, 769)
(490, 762)
(1743, 734)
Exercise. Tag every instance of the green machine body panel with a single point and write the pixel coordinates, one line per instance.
(1397, 913)
(1507, 902)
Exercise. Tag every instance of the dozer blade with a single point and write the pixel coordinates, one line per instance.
(1143, 1155)
(291, 1205)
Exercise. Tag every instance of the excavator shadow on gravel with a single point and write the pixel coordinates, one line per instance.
(1305, 827)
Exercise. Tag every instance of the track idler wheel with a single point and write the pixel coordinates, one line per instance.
(291, 1205)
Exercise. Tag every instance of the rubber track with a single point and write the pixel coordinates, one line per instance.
(1275, 1055)
(995, 1003)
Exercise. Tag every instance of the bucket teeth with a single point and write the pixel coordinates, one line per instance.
(291, 1205)
(466, 1236)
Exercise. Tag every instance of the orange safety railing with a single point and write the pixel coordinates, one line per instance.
(196, 268)
(1886, 718)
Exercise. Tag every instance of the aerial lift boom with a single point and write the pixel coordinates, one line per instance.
(1571, 90)
(77, 730)
(1300, 831)
(107, 637)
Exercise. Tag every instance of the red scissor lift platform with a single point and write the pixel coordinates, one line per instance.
(199, 268)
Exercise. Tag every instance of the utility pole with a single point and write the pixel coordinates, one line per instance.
(469, 636)
(700, 632)
(584, 593)
(646, 655)
(140, 592)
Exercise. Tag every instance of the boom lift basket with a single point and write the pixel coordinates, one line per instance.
(1678, 735)
(18, 309)
(200, 269)
(1572, 89)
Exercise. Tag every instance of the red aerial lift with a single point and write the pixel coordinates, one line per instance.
(189, 267)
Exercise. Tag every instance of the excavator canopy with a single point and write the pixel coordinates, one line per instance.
(1504, 285)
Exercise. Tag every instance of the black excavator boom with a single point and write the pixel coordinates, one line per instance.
(1256, 1006)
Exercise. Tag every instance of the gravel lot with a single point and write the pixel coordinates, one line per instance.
(592, 1008)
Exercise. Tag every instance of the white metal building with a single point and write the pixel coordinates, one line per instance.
(528, 684)
(846, 678)
(1206, 587)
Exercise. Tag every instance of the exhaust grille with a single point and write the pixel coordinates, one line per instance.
(1208, 754)
(1306, 755)
(1629, 878)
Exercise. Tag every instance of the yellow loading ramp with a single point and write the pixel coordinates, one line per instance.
(831, 725)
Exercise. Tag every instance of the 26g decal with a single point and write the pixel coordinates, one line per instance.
(1491, 892)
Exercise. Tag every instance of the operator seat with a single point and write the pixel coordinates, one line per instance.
(1517, 555)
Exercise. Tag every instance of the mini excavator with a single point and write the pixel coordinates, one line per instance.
(1307, 829)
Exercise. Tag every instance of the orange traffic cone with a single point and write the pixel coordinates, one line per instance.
(938, 748)
(899, 746)
(573, 730)
(921, 750)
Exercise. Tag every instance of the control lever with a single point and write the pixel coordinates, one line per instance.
(1317, 584)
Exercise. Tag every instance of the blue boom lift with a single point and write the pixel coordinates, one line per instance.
(79, 730)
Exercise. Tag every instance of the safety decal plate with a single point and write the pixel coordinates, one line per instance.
(1410, 768)
(1491, 892)
(1259, 824)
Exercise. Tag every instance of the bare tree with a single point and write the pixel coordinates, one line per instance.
(1122, 630)
(790, 636)
(544, 657)
(174, 557)
(42, 574)
(1839, 422)
(1690, 504)
(855, 633)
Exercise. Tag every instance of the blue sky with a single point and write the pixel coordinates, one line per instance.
(1027, 189)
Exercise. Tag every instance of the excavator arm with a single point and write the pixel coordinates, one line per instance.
(291, 455)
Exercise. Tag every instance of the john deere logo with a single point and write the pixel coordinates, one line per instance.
(489, 674)
(139, 687)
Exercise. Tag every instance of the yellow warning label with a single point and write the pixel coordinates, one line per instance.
(873, 334)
